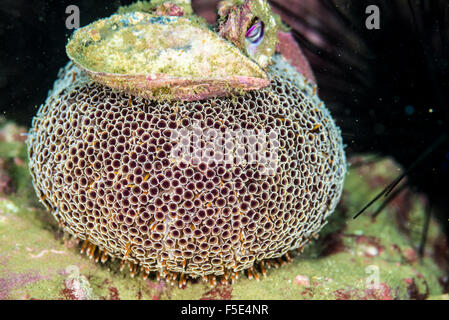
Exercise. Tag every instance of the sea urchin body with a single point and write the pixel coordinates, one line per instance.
(108, 166)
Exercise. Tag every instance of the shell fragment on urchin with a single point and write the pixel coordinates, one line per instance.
(163, 58)
(108, 166)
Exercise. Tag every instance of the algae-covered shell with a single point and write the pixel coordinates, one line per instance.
(162, 58)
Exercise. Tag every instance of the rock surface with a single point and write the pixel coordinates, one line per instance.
(364, 258)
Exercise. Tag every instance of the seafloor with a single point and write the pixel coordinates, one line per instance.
(38, 262)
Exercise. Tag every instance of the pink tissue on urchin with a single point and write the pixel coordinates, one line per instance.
(290, 50)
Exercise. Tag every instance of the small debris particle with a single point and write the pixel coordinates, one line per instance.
(302, 280)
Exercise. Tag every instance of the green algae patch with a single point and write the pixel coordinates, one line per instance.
(36, 262)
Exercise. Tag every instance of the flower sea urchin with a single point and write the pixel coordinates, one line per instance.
(195, 188)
